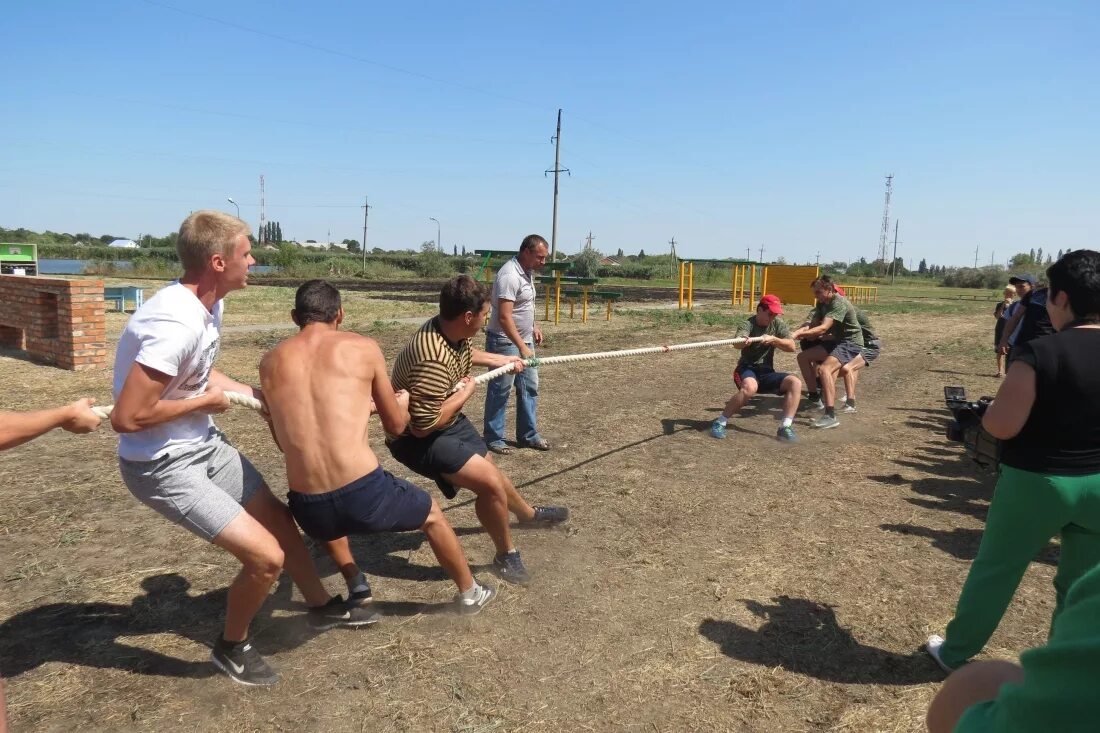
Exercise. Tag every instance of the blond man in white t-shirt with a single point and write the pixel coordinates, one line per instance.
(173, 458)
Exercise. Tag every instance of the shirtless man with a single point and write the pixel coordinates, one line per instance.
(319, 385)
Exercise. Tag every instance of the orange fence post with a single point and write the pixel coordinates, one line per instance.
(683, 271)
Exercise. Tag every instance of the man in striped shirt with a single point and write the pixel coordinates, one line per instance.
(440, 442)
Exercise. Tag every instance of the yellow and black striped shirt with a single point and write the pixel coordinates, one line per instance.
(428, 367)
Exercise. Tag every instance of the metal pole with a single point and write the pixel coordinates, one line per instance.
(230, 200)
(557, 171)
(894, 262)
(438, 235)
(366, 208)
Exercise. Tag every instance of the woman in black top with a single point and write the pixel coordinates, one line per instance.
(1047, 415)
(999, 329)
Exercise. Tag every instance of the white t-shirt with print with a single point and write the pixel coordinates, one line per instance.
(174, 334)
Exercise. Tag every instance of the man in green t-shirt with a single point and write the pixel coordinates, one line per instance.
(850, 371)
(755, 371)
(841, 340)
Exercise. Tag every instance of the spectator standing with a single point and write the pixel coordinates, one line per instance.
(1047, 415)
(512, 331)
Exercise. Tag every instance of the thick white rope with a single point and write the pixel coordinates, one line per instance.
(236, 398)
(536, 362)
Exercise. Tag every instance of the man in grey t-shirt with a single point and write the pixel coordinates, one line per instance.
(512, 331)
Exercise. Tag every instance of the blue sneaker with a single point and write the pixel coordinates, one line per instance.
(787, 434)
(717, 430)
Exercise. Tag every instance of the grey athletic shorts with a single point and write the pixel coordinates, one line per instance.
(202, 489)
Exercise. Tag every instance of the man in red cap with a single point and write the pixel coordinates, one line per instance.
(755, 372)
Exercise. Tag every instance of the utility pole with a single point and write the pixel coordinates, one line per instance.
(588, 240)
(672, 260)
(818, 260)
(894, 262)
(761, 252)
(885, 232)
(991, 257)
(366, 210)
(263, 214)
(976, 255)
(748, 254)
(556, 170)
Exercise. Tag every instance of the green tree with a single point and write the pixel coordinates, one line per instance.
(587, 262)
(641, 253)
(352, 245)
(922, 268)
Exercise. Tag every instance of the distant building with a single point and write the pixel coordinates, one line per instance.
(123, 244)
(610, 262)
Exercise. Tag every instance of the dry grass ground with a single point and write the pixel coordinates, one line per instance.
(700, 585)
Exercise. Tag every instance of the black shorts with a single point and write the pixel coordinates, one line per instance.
(378, 502)
(998, 332)
(842, 351)
(444, 451)
(768, 381)
(871, 351)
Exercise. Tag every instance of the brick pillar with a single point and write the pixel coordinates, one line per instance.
(58, 321)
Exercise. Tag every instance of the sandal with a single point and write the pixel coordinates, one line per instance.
(502, 449)
(539, 444)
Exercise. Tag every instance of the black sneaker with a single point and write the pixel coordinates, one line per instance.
(509, 566)
(337, 612)
(479, 597)
(243, 663)
(359, 593)
(548, 515)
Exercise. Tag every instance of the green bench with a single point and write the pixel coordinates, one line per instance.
(608, 297)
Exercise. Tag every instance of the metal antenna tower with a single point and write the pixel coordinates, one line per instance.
(883, 235)
(263, 214)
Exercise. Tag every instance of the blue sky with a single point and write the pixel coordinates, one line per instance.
(724, 125)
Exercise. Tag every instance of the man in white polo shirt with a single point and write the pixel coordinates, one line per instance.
(173, 458)
(512, 331)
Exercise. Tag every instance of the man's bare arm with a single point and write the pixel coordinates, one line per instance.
(451, 407)
(17, 428)
(139, 405)
(393, 410)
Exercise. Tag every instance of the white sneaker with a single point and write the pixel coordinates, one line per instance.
(473, 600)
(932, 646)
(826, 421)
(847, 409)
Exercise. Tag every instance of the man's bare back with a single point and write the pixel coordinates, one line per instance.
(319, 385)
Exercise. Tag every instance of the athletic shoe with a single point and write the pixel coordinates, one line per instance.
(717, 430)
(814, 404)
(548, 515)
(787, 434)
(359, 592)
(243, 664)
(337, 612)
(509, 566)
(932, 646)
(480, 598)
(826, 421)
(848, 408)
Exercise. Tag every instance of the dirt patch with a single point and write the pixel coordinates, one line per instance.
(701, 584)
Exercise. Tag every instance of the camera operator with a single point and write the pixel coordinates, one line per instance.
(1047, 415)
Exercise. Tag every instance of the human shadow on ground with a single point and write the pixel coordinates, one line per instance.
(88, 634)
(963, 543)
(669, 427)
(804, 636)
(386, 555)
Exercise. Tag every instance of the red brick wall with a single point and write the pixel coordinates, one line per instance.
(60, 322)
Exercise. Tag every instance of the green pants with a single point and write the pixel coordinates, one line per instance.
(1027, 510)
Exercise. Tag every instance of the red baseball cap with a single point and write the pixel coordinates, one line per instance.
(773, 304)
(840, 291)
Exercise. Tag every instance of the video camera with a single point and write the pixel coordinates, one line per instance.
(966, 427)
